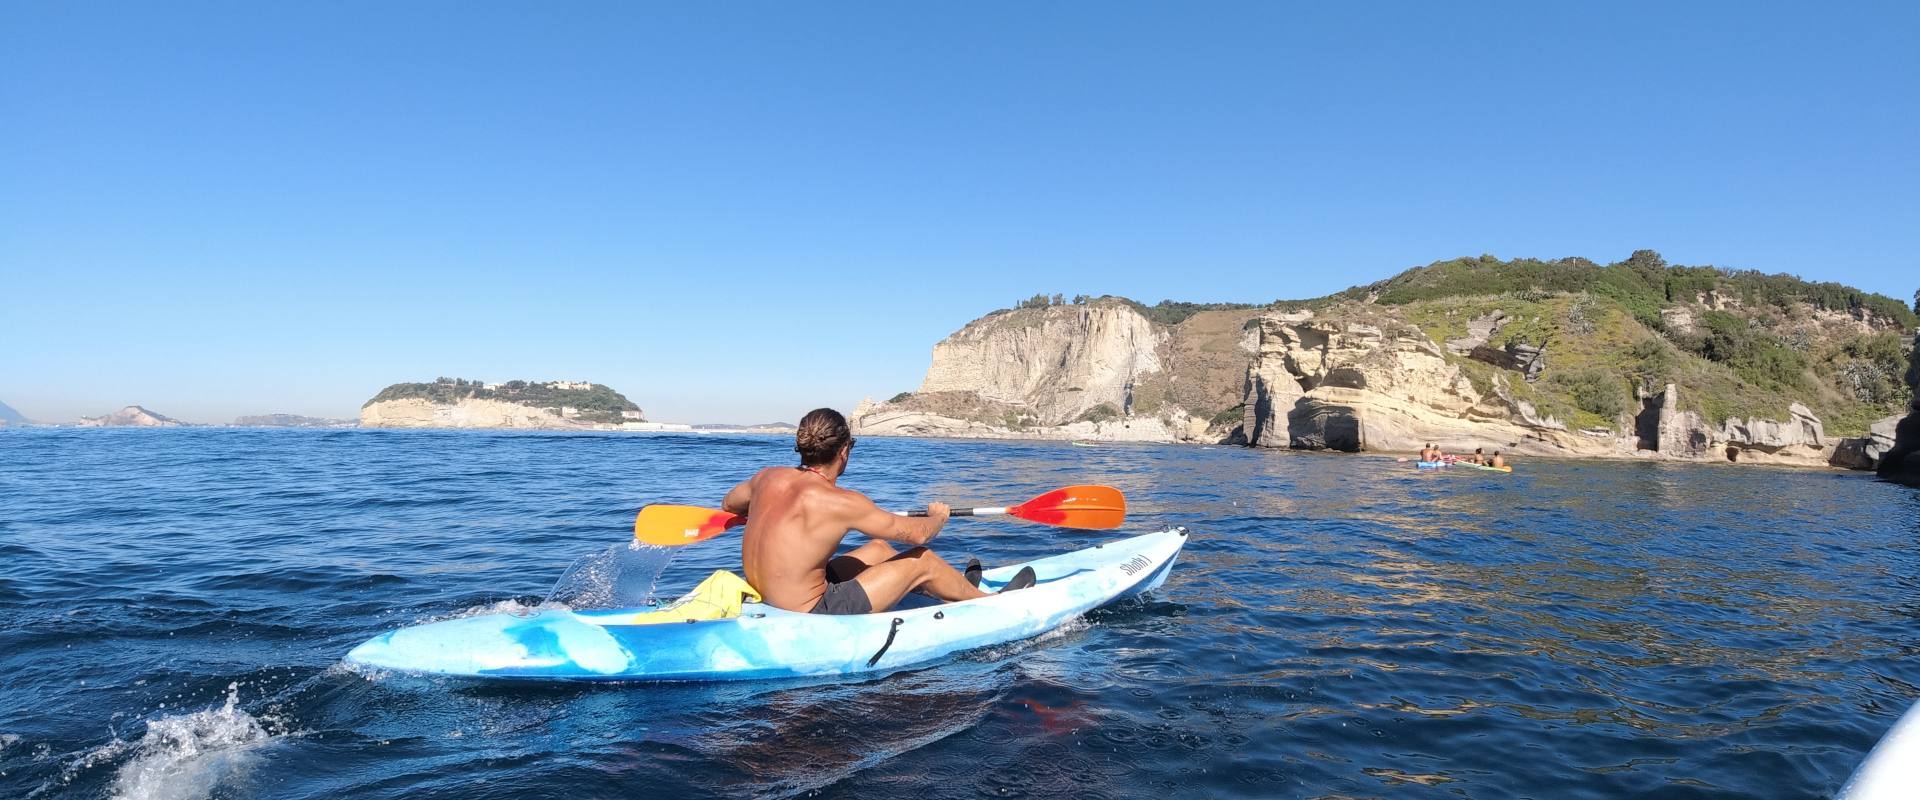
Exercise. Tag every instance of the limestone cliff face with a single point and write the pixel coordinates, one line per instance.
(1347, 385)
(468, 413)
(1056, 363)
(1096, 370)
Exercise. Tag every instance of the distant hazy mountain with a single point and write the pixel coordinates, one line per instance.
(292, 421)
(8, 416)
(131, 417)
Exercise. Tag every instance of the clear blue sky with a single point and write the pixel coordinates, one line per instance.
(739, 211)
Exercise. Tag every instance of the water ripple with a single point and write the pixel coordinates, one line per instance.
(178, 601)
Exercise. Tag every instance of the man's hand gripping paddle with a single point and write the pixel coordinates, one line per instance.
(1086, 507)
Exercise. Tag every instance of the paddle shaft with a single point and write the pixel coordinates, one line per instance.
(960, 512)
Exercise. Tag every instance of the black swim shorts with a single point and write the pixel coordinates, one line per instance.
(844, 598)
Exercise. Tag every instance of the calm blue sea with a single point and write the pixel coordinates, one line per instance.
(176, 603)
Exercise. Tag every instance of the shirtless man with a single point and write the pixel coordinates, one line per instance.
(1499, 460)
(1479, 456)
(800, 514)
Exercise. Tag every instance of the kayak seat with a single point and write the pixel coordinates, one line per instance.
(718, 597)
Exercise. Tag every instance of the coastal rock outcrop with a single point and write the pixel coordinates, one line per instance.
(1865, 452)
(1526, 359)
(1343, 385)
(1095, 369)
(130, 417)
(1054, 364)
(1901, 463)
(1646, 360)
(1800, 439)
(414, 412)
(457, 403)
(1326, 384)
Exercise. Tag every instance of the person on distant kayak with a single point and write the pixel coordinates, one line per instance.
(1479, 456)
(1498, 460)
(800, 515)
(1429, 453)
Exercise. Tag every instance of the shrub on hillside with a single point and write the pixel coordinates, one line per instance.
(1753, 355)
(1595, 392)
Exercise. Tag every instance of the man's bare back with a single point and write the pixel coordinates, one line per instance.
(796, 523)
(797, 516)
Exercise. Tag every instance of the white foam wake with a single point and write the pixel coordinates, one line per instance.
(184, 757)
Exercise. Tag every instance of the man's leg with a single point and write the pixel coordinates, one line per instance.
(886, 582)
(873, 552)
(848, 565)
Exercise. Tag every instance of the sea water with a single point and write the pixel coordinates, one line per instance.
(177, 602)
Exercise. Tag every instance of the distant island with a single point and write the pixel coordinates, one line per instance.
(131, 417)
(765, 427)
(8, 416)
(292, 421)
(1565, 357)
(548, 405)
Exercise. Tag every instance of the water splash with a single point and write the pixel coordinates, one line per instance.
(182, 757)
(622, 576)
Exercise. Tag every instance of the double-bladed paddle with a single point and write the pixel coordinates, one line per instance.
(1088, 507)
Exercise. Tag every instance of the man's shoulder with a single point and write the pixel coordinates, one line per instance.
(838, 498)
(769, 472)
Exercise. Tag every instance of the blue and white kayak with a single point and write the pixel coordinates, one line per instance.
(767, 642)
(1892, 770)
(1432, 464)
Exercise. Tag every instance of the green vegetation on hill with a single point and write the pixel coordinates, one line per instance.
(1165, 312)
(597, 403)
(1172, 312)
(1751, 356)
(1644, 283)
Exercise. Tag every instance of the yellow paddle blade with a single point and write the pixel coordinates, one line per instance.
(1089, 507)
(672, 526)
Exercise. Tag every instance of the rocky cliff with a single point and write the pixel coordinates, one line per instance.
(1342, 384)
(456, 403)
(1901, 460)
(463, 413)
(1094, 370)
(1569, 358)
(130, 417)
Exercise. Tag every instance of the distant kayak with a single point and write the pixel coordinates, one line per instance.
(1471, 465)
(761, 641)
(1892, 769)
(1433, 464)
(1078, 443)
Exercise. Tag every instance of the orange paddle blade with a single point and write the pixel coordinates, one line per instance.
(672, 526)
(1090, 507)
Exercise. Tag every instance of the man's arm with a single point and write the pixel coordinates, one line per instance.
(739, 497)
(855, 511)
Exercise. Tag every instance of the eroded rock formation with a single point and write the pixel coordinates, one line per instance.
(1347, 385)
